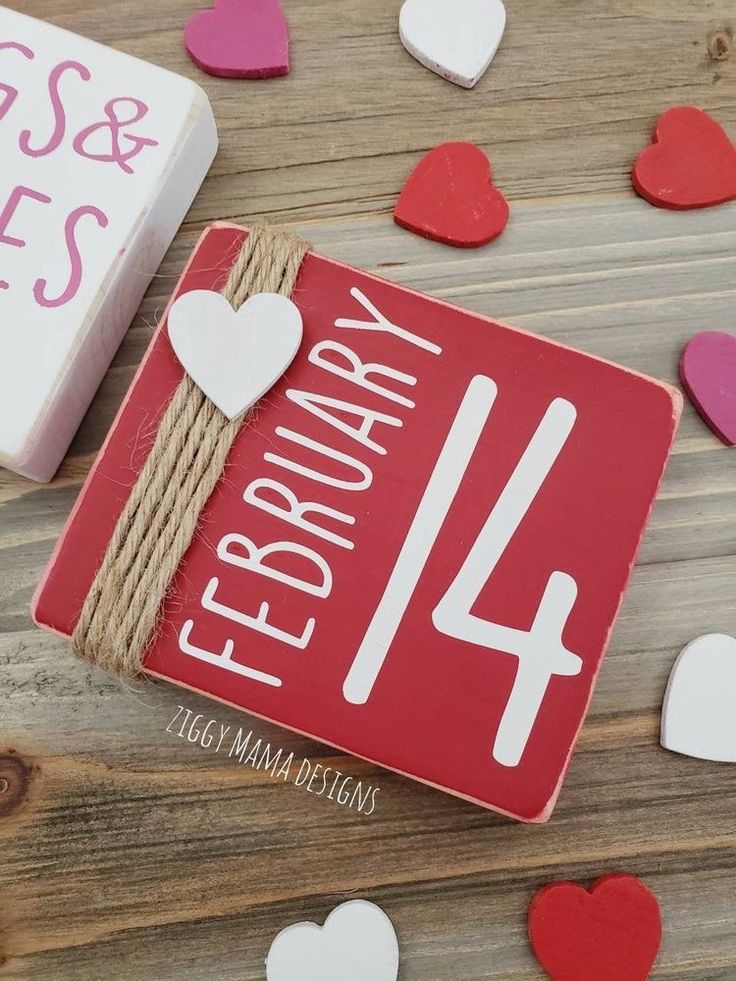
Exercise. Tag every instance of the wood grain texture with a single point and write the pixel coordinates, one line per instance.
(134, 855)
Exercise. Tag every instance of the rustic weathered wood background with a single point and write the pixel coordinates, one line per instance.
(130, 854)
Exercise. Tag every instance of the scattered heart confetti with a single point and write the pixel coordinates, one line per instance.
(611, 932)
(457, 39)
(449, 197)
(239, 39)
(690, 164)
(699, 715)
(357, 943)
(708, 373)
(234, 357)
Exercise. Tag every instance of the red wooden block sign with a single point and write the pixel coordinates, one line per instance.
(420, 546)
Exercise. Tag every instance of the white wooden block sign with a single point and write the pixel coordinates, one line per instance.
(102, 155)
(699, 714)
(456, 39)
(357, 943)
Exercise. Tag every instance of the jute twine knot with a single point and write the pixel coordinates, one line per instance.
(121, 612)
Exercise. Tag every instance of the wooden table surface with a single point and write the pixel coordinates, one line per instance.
(127, 852)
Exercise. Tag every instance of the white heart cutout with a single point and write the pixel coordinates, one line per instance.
(699, 714)
(234, 356)
(357, 943)
(457, 39)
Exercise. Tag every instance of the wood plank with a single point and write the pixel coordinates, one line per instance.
(178, 862)
(571, 98)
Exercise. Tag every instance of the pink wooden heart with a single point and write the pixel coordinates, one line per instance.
(708, 372)
(239, 39)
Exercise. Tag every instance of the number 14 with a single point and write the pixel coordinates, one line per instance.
(540, 650)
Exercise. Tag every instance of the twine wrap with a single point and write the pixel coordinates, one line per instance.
(121, 611)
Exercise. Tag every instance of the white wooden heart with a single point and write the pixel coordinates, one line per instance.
(457, 39)
(357, 943)
(699, 714)
(234, 356)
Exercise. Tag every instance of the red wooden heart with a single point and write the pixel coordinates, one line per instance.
(690, 164)
(449, 197)
(610, 933)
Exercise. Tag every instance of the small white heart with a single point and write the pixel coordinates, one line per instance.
(457, 39)
(357, 943)
(699, 714)
(234, 356)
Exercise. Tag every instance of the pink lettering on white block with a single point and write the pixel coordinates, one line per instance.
(11, 206)
(11, 93)
(57, 107)
(115, 127)
(75, 278)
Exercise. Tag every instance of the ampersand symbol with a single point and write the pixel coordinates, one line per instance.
(118, 139)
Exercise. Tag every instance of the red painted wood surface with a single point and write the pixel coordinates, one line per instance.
(436, 707)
